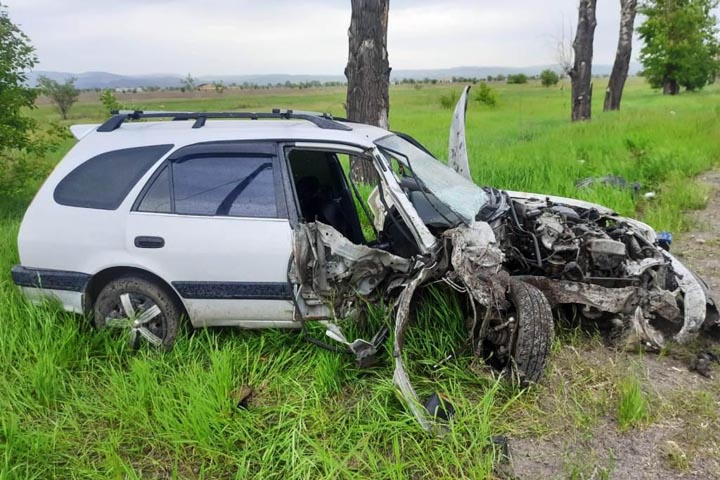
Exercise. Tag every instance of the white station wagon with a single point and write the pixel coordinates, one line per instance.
(250, 220)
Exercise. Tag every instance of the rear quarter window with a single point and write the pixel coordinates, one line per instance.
(104, 181)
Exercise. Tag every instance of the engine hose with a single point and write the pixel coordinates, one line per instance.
(532, 235)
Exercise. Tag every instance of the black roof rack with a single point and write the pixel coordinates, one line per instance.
(321, 120)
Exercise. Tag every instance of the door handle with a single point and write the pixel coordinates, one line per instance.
(149, 242)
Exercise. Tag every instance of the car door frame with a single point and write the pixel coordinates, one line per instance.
(278, 291)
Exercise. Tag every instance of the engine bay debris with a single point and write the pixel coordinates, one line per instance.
(521, 261)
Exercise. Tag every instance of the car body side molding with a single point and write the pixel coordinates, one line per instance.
(234, 290)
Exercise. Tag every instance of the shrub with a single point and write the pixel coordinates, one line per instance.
(23, 167)
(486, 95)
(109, 100)
(517, 78)
(548, 78)
(448, 101)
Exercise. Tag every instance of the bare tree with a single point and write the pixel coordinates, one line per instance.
(581, 72)
(368, 71)
(613, 94)
(564, 49)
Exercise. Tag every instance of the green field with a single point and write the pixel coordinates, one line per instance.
(77, 404)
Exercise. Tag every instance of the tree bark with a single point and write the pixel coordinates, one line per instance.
(670, 87)
(368, 72)
(613, 94)
(581, 73)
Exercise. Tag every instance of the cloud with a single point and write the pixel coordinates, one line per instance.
(284, 36)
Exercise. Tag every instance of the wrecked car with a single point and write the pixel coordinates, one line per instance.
(257, 224)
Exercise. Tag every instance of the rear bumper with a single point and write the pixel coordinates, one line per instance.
(39, 285)
(47, 279)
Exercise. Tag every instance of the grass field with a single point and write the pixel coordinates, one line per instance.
(77, 404)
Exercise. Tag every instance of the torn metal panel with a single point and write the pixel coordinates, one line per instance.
(335, 270)
(477, 259)
(457, 148)
(641, 332)
(612, 300)
(400, 375)
(392, 194)
(378, 209)
(694, 301)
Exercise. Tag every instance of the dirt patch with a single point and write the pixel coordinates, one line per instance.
(681, 438)
(701, 248)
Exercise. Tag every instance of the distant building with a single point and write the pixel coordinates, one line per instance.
(205, 87)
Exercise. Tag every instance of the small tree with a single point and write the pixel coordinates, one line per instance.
(548, 78)
(486, 95)
(681, 47)
(517, 79)
(22, 145)
(63, 95)
(17, 56)
(109, 101)
(188, 83)
(219, 86)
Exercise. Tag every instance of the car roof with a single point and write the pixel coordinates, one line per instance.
(182, 133)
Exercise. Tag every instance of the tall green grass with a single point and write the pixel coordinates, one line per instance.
(78, 404)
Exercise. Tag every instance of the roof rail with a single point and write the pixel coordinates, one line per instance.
(321, 120)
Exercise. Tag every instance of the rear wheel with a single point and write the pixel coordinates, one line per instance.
(140, 310)
(534, 332)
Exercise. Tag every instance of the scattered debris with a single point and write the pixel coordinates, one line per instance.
(439, 407)
(609, 181)
(500, 442)
(241, 396)
(675, 456)
(702, 363)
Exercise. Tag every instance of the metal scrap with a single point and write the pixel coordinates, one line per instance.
(610, 181)
(458, 157)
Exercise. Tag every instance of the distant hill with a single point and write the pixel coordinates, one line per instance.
(89, 80)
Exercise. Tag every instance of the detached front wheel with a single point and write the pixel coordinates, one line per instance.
(533, 334)
(140, 310)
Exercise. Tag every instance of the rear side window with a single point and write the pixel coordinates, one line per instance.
(236, 186)
(104, 181)
(158, 199)
(216, 185)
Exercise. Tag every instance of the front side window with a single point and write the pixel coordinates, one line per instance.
(234, 186)
(104, 181)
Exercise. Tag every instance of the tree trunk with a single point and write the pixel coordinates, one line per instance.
(670, 87)
(581, 73)
(368, 72)
(613, 94)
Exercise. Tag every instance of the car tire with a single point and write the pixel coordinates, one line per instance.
(142, 310)
(531, 345)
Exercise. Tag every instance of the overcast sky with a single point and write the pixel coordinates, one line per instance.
(295, 36)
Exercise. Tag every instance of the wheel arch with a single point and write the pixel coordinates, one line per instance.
(99, 280)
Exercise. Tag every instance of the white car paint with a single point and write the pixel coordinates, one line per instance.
(217, 249)
(65, 238)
